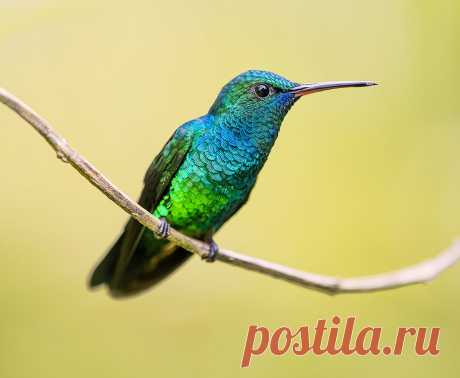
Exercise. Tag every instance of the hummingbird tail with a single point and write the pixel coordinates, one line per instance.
(105, 269)
(152, 260)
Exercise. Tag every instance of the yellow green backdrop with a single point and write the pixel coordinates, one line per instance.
(359, 182)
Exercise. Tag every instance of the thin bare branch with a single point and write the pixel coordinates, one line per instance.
(419, 273)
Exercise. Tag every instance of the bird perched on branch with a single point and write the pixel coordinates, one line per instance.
(202, 176)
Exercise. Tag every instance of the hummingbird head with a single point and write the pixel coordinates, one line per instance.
(262, 98)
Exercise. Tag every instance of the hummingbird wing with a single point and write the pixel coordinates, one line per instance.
(156, 183)
(163, 168)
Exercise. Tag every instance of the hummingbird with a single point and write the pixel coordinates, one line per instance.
(203, 175)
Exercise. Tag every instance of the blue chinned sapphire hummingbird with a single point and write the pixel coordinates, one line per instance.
(203, 176)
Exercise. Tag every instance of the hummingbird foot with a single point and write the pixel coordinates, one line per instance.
(213, 251)
(163, 231)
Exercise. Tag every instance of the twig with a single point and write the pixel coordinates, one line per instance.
(419, 273)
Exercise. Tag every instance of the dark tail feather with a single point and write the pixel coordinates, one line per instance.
(105, 269)
(152, 261)
(144, 276)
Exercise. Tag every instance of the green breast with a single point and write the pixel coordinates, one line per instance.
(214, 180)
(198, 200)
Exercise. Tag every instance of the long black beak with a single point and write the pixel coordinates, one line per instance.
(305, 89)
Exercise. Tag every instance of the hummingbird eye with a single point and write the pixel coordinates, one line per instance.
(262, 90)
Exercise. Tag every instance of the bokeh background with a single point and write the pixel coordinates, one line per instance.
(360, 181)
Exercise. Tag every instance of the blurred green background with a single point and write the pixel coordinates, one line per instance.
(360, 181)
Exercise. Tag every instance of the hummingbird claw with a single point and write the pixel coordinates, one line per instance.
(163, 231)
(213, 250)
